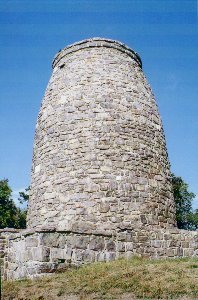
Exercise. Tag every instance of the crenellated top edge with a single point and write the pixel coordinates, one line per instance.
(96, 42)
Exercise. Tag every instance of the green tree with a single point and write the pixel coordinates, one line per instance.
(186, 218)
(23, 199)
(24, 196)
(8, 209)
(10, 215)
(193, 224)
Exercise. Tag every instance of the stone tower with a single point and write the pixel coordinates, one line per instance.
(100, 161)
(100, 185)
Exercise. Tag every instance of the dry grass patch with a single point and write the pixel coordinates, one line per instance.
(136, 278)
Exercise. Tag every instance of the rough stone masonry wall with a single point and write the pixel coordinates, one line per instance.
(100, 161)
(31, 254)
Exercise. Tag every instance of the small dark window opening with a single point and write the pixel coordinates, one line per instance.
(62, 66)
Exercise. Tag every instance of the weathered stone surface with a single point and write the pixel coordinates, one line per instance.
(110, 245)
(97, 243)
(99, 150)
(21, 261)
(100, 186)
(40, 254)
(57, 254)
(50, 239)
(31, 242)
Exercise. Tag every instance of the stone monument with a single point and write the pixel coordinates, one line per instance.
(101, 185)
(100, 161)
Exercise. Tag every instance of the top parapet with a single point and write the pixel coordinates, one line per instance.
(96, 42)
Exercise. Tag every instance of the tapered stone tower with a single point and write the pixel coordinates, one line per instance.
(100, 185)
(100, 160)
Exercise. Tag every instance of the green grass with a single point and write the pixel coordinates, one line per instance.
(136, 278)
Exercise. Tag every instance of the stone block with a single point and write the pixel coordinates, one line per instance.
(129, 246)
(40, 254)
(120, 246)
(110, 256)
(81, 242)
(31, 241)
(31, 271)
(77, 255)
(62, 241)
(101, 256)
(185, 244)
(46, 267)
(83, 227)
(104, 207)
(97, 244)
(110, 245)
(188, 252)
(57, 254)
(50, 239)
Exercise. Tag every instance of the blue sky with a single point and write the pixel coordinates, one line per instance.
(163, 32)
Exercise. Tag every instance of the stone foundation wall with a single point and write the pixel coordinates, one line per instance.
(31, 254)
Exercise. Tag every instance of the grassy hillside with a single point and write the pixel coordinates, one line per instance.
(136, 278)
